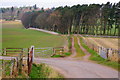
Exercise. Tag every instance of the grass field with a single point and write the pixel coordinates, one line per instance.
(105, 42)
(16, 36)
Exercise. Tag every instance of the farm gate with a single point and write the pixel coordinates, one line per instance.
(47, 52)
(43, 52)
(14, 51)
(23, 59)
(103, 52)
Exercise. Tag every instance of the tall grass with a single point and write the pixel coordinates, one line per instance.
(44, 71)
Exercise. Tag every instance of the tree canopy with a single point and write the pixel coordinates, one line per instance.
(95, 19)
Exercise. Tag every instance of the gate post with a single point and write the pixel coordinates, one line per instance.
(32, 47)
(107, 52)
(20, 63)
(5, 53)
(30, 58)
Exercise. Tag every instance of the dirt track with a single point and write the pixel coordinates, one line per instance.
(85, 58)
(50, 32)
(80, 69)
(73, 68)
(76, 68)
(70, 67)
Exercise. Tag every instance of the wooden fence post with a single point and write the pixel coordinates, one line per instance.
(118, 57)
(32, 53)
(13, 66)
(20, 64)
(62, 50)
(28, 61)
(107, 53)
(93, 46)
(99, 50)
(2, 52)
(17, 62)
(5, 51)
(3, 68)
(53, 52)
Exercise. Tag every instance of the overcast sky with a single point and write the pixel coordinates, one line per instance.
(50, 3)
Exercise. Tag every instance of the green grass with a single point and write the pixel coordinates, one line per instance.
(6, 67)
(57, 56)
(15, 35)
(79, 52)
(95, 57)
(64, 55)
(67, 54)
(43, 71)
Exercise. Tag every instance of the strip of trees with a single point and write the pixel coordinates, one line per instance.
(13, 13)
(93, 19)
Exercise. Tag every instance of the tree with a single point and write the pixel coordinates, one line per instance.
(35, 6)
(26, 19)
(95, 19)
(41, 20)
(12, 15)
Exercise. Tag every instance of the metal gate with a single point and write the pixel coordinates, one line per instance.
(103, 52)
(45, 52)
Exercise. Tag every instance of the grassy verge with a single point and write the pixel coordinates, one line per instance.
(44, 71)
(7, 66)
(95, 57)
(79, 52)
(64, 55)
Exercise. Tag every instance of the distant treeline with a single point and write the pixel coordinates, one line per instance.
(13, 13)
(94, 19)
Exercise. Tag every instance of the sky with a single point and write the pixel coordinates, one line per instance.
(50, 3)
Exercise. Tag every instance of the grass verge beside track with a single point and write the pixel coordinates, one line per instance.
(95, 57)
(79, 52)
(44, 71)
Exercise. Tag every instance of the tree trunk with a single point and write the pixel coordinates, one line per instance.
(108, 30)
(104, 29)
(96, 30)
(115, 29)
(93, 29)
